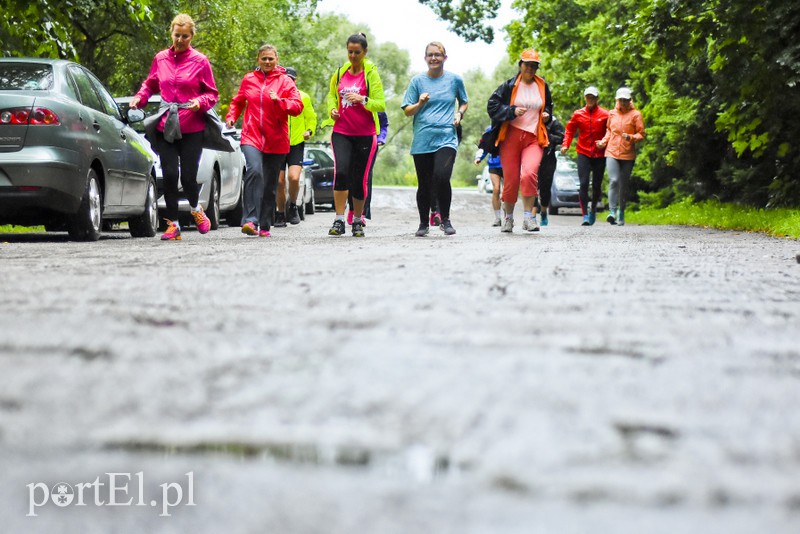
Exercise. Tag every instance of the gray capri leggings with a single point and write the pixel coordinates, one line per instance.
(619, 173)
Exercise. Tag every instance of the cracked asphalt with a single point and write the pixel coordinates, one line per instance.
(579, 380)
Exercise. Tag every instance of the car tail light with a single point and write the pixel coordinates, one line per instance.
(44, 116)
(40, 116)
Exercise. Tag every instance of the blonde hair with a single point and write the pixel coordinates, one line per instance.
(182, 19)
(266, 47)
(438, 45)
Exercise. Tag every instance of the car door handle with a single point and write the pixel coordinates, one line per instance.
(96, 126)
(123, 136)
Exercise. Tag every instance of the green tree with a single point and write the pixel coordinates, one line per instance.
(716, 80)
(72, 29)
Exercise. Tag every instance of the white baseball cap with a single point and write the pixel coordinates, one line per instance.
(591, 90)
(624, 93)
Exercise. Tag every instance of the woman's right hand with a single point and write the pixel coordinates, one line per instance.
(335, 114)
(229, 123)
(134, 103)
(601, 144)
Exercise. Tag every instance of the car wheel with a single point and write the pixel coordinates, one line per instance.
(146, 224)
(310, 205)
(552, 210)
(87, 223)
(234, 216)
(213, 201)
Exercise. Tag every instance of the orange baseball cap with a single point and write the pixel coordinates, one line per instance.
(530, 54)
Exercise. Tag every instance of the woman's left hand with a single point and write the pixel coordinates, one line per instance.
(273, 95)
(194, 104)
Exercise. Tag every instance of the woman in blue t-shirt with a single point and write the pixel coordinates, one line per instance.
(430, 99)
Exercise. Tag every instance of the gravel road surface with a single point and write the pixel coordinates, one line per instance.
(577, 380)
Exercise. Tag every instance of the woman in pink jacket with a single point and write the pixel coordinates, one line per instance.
(183, 77)
(624, 129)
(267, 96)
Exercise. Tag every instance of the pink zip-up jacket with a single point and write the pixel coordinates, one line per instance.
(179, 78)
(266, 122)
(620, 123)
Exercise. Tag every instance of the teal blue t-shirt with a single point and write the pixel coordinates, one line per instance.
(433, 123)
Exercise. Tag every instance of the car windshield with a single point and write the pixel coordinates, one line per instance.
(25, 77)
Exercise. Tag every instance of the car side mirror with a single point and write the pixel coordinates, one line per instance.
(135, 115)
(310, 163)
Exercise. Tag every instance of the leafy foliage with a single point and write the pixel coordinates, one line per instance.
(718, 83)
(466, 18)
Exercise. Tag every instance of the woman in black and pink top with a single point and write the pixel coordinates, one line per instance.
(354, 100)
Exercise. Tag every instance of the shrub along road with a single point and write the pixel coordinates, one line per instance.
(605, 379)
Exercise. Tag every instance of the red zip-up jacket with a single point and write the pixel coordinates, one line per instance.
(266, 122)
(591, 127)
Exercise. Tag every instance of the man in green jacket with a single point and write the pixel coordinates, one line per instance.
(301, 129)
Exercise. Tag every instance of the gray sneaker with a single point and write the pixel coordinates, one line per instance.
(530, 225)
(508, 225)
(447, 227)
(497, 222)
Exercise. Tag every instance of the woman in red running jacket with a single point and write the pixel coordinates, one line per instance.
(267, 96)
(590, 123)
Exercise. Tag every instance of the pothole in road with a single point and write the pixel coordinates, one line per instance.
(417, 461)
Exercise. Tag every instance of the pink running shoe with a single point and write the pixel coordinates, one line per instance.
(249, 228)
(201, 220)
(436, 218)
(350, 217)
(263, 233)
(173, 233)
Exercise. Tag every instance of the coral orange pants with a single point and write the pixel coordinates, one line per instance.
(520, 155)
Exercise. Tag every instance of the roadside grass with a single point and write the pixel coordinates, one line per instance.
(11, 229)
(779, 222)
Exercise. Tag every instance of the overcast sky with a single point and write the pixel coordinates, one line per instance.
(411, 26)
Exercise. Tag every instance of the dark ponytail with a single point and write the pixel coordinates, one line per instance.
(358, 38)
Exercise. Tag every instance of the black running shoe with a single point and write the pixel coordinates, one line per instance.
(358, 228)
(280, 219)
(337, 228)
(423, 230)
(292, 215)
(447, 227)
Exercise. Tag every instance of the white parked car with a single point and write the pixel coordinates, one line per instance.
(219, 177)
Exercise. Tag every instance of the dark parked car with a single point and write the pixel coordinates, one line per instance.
(68, 157)
(318, 169)
(566, 186)
(219, 176)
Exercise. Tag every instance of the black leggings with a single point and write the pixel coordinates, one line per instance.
(180, 160)
(433, 178)
(353, 156)
(596, 167)
(547, 169)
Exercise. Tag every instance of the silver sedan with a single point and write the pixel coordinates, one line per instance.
(68, 157)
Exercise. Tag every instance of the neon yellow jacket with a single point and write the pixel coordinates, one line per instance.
(376, 100)
(305, 122)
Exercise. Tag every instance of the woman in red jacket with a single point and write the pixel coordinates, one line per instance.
(183, 77)
(267, 96)
(590, 123)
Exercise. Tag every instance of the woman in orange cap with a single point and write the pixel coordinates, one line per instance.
(519, 109)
